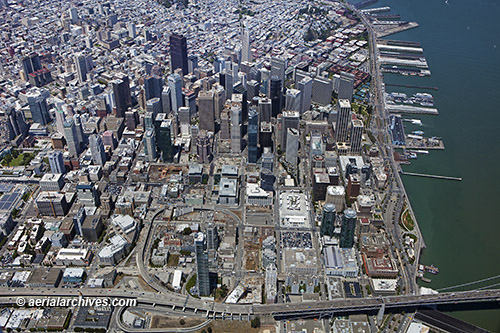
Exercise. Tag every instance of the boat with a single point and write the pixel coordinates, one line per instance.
(432, 269)
(424, 279)
(416, 122)
(418, 132)
(412, 155)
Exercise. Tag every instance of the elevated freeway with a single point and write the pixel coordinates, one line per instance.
(211, 310)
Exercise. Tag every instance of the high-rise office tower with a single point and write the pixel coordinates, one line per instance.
(343, 120)
(253, 135)
(276, 95)
(81, 137)
(322, 89)
(224, 126)
(202, 273)
(56, 162)
(37, 101)
(212, 236)
(132, 31)
(292, 100)
(219, 99)
(203, 146)
(149, 143)
(266, 135)
(164, 141)
(153, 86)
(121, 91)
(154, 105)
(31, 64)
(328, 220)
(165, 100)
(109, 139)
(73, 15)
(356, 135)
(81, 67)
(192, 63)
(148, 120)
(348, 228)
(178, 53)
(265, 78)
(278, 68)
(346, 86)
(70, 133)
(60, 118)
(228, 84)
(175, 85)
(305, 87)
(184, 115)
(265, 109)
(253, 88)
(292, 146)
(206, 110)
(246, 51)
(236, 129)
(289, 119)
(97, 150)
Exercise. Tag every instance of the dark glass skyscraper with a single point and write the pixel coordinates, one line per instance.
(276, 95)
(348, 228)
(178, 53)
(253, 134)
(328, 219)
(153, 86)
(202, 273)
(121, 91)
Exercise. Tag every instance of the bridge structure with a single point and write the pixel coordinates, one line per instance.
(304, 310)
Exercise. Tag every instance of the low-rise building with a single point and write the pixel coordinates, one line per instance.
(73, 257)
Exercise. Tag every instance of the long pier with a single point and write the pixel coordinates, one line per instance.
(410, 86)
(429, 176)
(396, 108)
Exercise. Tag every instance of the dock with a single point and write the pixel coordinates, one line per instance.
(393, 108)
(410, 86)
(405, 173)
(376, 10)
(387, 16)
(399, 42)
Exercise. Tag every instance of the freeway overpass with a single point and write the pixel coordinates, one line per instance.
(208, 309)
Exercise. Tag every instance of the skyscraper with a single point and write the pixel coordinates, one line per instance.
(276, 95)
(292, 146)
(305, 87)
(97, 149)
(253, 135)
(348, 228)
(56, 162)
(175, 85)
(278, 68)
(292, 100)
(236, 128)
(70, 133)
(265, 110)
(356, 135)
(322, 89)
(153, 86)
(224, 126)
(202, 273)
(31, 64)
(253, 88)
(154, 106)
(81, 67)
(289, 119)
(149, 143)
(346, 86)
(246, 51)
(164, 140)
(165, 100)
(203, 146)
(37, 101)
(178, 53)
(121, 91)
(206, 110)
(343, 120)
(192, 63)
(328, 220)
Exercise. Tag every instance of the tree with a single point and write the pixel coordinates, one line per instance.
(255, 323)
(187, 231)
